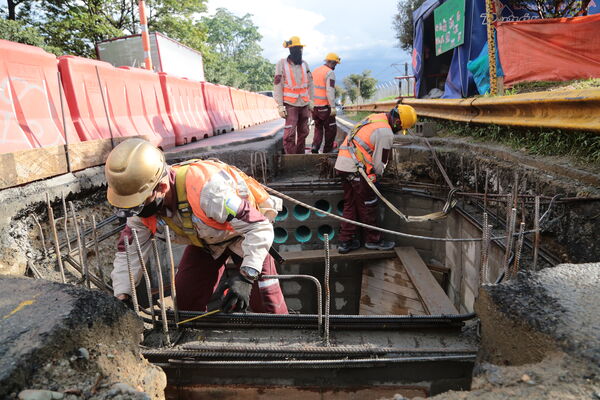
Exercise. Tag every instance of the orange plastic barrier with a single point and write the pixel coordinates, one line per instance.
(30, 108)
(219, 107)
(186, 107)
(255, 108)
(269, 107)
(88, 108)
(557, 49)
(240, 107)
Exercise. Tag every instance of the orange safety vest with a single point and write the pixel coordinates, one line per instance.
(291, 90)
(191, 177)
(359, 148)
(320, 82)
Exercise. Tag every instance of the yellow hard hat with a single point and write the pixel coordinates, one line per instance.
(333, 57)
(293, 42)
(132, 170)
(407, 116)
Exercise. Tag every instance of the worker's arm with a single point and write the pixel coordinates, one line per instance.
(330, 83)
(278, 83)
(311, 84)
(382, 139)
(120, 273)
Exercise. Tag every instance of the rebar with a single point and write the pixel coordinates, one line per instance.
(172, 273)
(61, 267)
(65, 221)
(161, 292)
(317, 285)
(97, 247)
(485, 190)
(485, 247)
(509, 241)
(93, 278)
(327, 289)
(134, 299)
(64, 120)
(42, 238)
(138, 249)
(518, 250)
(536, 228)
(86, 272)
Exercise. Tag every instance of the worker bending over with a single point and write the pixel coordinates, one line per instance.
(367, 147)
(324, 111)
(293, 92)
(214, 208)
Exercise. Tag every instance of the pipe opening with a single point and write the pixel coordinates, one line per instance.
(301, 213)
(303, 234)
(325, 229)
(281, 235)
(340, 207)
(324, 205)
(282, 215)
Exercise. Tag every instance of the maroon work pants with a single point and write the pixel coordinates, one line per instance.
(296, 129)
(360, 204)
(324, 126)
(199, 274)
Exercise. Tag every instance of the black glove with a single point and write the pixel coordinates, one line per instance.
(238, 296)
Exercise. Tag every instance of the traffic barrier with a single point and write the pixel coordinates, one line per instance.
(101, 114)
(260, 106)
(148, 110)
(219, 108)
(241, 108)
(186, 107)
(30, 106)
(253, 110)
(271, 106)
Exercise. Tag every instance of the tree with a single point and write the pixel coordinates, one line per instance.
(360, 85)
(403, 23)
(11, 8)
(236, 56)
(553, 8)
(341, 94)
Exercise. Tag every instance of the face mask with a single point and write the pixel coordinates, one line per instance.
(151, 208)
(296, 55)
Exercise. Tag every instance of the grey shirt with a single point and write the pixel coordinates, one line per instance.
(297, 72)
(382, 139)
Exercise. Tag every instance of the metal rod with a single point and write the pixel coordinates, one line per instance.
(161, 292)
(93, 278)
(64, 121)
(97, 247)
(327, 289)
(317, 285)
(86, 273)
(484, 250)
(42, 238)
(509, 241)
(518, 250)
(536, 228)
(61, 267)
(172, 273)
(66, 217)
(112, 140)
(138, 248)
(485, 190)
(134, 299)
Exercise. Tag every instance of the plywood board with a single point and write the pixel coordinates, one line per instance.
(362, 254)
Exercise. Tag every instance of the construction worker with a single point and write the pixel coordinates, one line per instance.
(324, 110)
(365, 153)
(213, 207)
(293, 92)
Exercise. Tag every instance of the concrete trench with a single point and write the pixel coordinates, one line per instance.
(412, 182)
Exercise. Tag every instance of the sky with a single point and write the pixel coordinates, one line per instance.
(361, 33)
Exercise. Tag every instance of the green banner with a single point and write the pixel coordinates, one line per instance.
(449, 21)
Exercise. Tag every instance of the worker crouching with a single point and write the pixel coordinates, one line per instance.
(214, 208)
(362, 158)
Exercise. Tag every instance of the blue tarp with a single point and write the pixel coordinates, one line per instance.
(459, 82)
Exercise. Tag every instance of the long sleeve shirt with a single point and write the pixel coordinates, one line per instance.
(382, 140)
(297, 72)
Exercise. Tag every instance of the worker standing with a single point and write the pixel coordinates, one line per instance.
(367, 147)
(324, 110)
(214, 208)
(293, 92)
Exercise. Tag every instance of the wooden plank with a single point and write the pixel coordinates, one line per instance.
(319, 255)
(31, 165)
(366, 310)
(402, 290)
(389, 303)
(92, 153)
(434, 298)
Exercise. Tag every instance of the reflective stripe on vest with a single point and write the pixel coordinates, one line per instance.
(320, 82)
(291, 90)
(360, 149)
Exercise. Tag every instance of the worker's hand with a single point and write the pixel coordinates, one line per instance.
(126, 299)
(238, 295)
(333, 112)
(282, 111)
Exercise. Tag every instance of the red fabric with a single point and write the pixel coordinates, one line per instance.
(296, 122)
(360, 204)
(558, 49)
(324, 124)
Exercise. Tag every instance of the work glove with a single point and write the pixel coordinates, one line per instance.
(282, 111)
(238, 295)
(333, 112)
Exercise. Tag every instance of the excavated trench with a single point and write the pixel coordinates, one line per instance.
(401, 322)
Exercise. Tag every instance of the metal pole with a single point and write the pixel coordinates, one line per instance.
(134, 299)
(145, 36)
(42, 238)
(327, 289)
(61, 267)
(489, 10)
(536, 228)
(112, 140)
(138, 248)
(97, 247)
(518, 250)
(509, 241)
(485, 243)
(161, 292)
(66, 227)
(62, 110)
(172, 270)
(86, 273)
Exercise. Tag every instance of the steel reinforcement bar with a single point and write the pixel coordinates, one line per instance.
(561, 109)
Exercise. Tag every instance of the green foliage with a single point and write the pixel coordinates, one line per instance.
(235, 56)
(17, 31)
(403, 23)
(360, 86)
(340, 94)
(584, 146)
